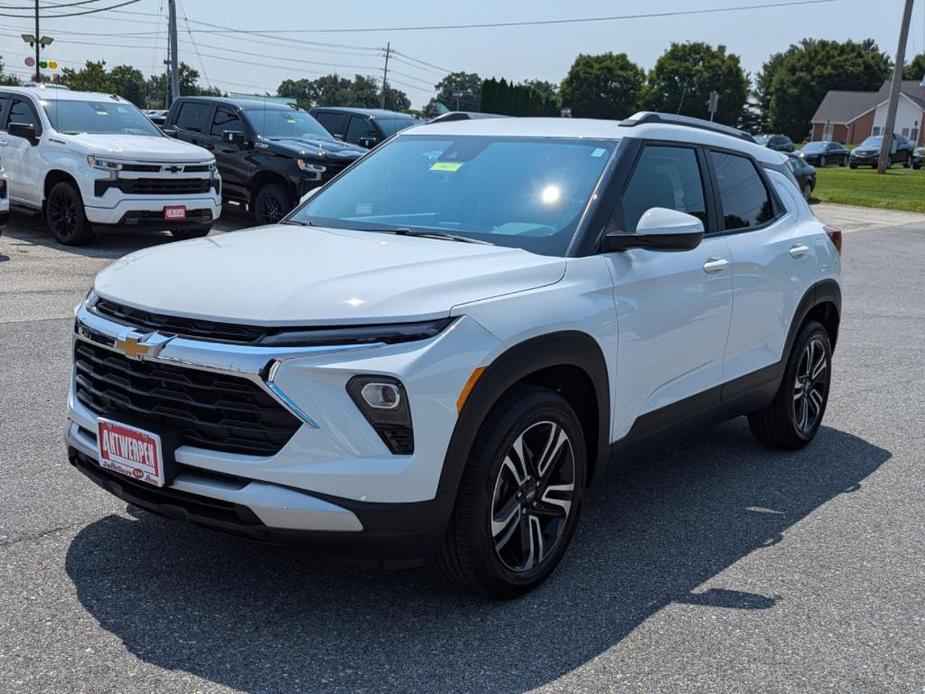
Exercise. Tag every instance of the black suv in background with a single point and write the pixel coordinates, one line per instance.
(269, 155)
(366, 127)
(868, 152)
(779, 143)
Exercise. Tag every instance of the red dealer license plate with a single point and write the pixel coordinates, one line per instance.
(174, 213)
(130, 451)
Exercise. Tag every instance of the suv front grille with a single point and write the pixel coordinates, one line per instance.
(214, 411)
(145, 321)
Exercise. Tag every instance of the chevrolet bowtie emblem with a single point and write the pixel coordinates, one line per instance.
(133, 348)
(144, 347)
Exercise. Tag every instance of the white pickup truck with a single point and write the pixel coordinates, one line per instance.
(86, 160)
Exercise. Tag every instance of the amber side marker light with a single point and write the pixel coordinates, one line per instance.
(470, 384)
(835, 236)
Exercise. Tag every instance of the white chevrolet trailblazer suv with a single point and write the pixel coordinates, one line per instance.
(434, 354)
(83, 160)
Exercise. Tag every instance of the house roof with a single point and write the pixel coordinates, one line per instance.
(840, 106)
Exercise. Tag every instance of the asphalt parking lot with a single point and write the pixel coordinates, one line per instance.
(712, 564)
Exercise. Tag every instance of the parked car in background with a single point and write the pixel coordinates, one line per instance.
(84, 160)
(779, 143)
(269, 155)
(822, 153)
(917, 157)
(435, 354)
(157, 116)
(868, 152)
(365, 127)
(4, 198)
(804, 173)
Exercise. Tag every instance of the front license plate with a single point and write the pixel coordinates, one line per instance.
(130, 451)
(174, 213)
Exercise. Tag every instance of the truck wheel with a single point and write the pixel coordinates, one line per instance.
(193, 232)
(520, 496)
(65, 216)
(793, 417)
(272, 203)
(807, 191)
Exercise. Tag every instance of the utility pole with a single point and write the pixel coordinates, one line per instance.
(886, 146)
(38, 72)
(174, 63)
(385, 72)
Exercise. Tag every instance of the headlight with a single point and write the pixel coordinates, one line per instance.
(310, 167)
(362, 335)
(104, 164)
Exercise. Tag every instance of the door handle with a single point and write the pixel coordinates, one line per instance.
(715, 264)
(799, 250)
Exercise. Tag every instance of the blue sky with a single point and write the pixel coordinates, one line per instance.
(543, 52)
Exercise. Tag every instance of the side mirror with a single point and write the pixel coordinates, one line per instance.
(659, 229)
(25, 131)
(339, 136)
(368, 142)
(169, 132)
(234, 137)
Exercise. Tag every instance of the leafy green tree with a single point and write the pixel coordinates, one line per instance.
(128, 83)
(809, 69)
(915, 68)
(686, 73)
(548, 91)
(396, 99)
(92, 77)
(501, 96)
(458, 91)
(333, 90)
(761, 93)
(156, 86)
(602, 86)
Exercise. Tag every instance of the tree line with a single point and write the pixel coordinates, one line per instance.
(780, 98)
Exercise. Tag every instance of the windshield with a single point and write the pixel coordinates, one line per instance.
(98, 117)
(280, 124)
(871, 142)
(762, 139)
(390, 126)
(814, 147)
(520, 192)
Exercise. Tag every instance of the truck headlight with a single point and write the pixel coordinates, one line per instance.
(310, 167)
(103, 164)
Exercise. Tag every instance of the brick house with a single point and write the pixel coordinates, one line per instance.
(849, 117)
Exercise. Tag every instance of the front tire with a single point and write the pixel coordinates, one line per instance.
(520, 496)
(822, 162)
(65, 215)
(794, 416)
(272, 203)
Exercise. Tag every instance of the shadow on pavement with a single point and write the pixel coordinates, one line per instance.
(29, 230)
(266, 619)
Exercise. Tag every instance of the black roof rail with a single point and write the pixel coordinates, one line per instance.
(674, 119)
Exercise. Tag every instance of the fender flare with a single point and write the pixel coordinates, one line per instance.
(565, 348)
(826, 291)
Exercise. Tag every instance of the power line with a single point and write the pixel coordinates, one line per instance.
(31, 8)
(73, 14)
(202, 63)
(430, 65)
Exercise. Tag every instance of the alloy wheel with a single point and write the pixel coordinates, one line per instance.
(271, 209)
(63, 216)
(811, 386)
(533, 496)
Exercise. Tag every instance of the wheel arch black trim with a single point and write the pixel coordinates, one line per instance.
(823, 292)
(573, 349)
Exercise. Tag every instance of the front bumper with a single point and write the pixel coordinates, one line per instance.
(144, 208)
(333, 484)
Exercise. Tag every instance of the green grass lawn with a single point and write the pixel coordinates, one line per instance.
(898, 189)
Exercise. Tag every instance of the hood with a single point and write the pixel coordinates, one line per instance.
(139, 147)
(318, 149)
(293, 275)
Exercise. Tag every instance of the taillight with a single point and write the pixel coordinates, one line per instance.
(835, 236)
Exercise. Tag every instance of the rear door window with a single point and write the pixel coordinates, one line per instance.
(193, 116)
(334, 123)
(664, 177)
(745, 199)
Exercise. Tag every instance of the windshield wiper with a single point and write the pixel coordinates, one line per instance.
(428, 234)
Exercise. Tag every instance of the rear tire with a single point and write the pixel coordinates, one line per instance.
(272, 203)
(793, 417)
(65, 215)
(519, 498)
(807, 191)
(191, 232)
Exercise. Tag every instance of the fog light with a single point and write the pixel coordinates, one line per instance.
(382, 396)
